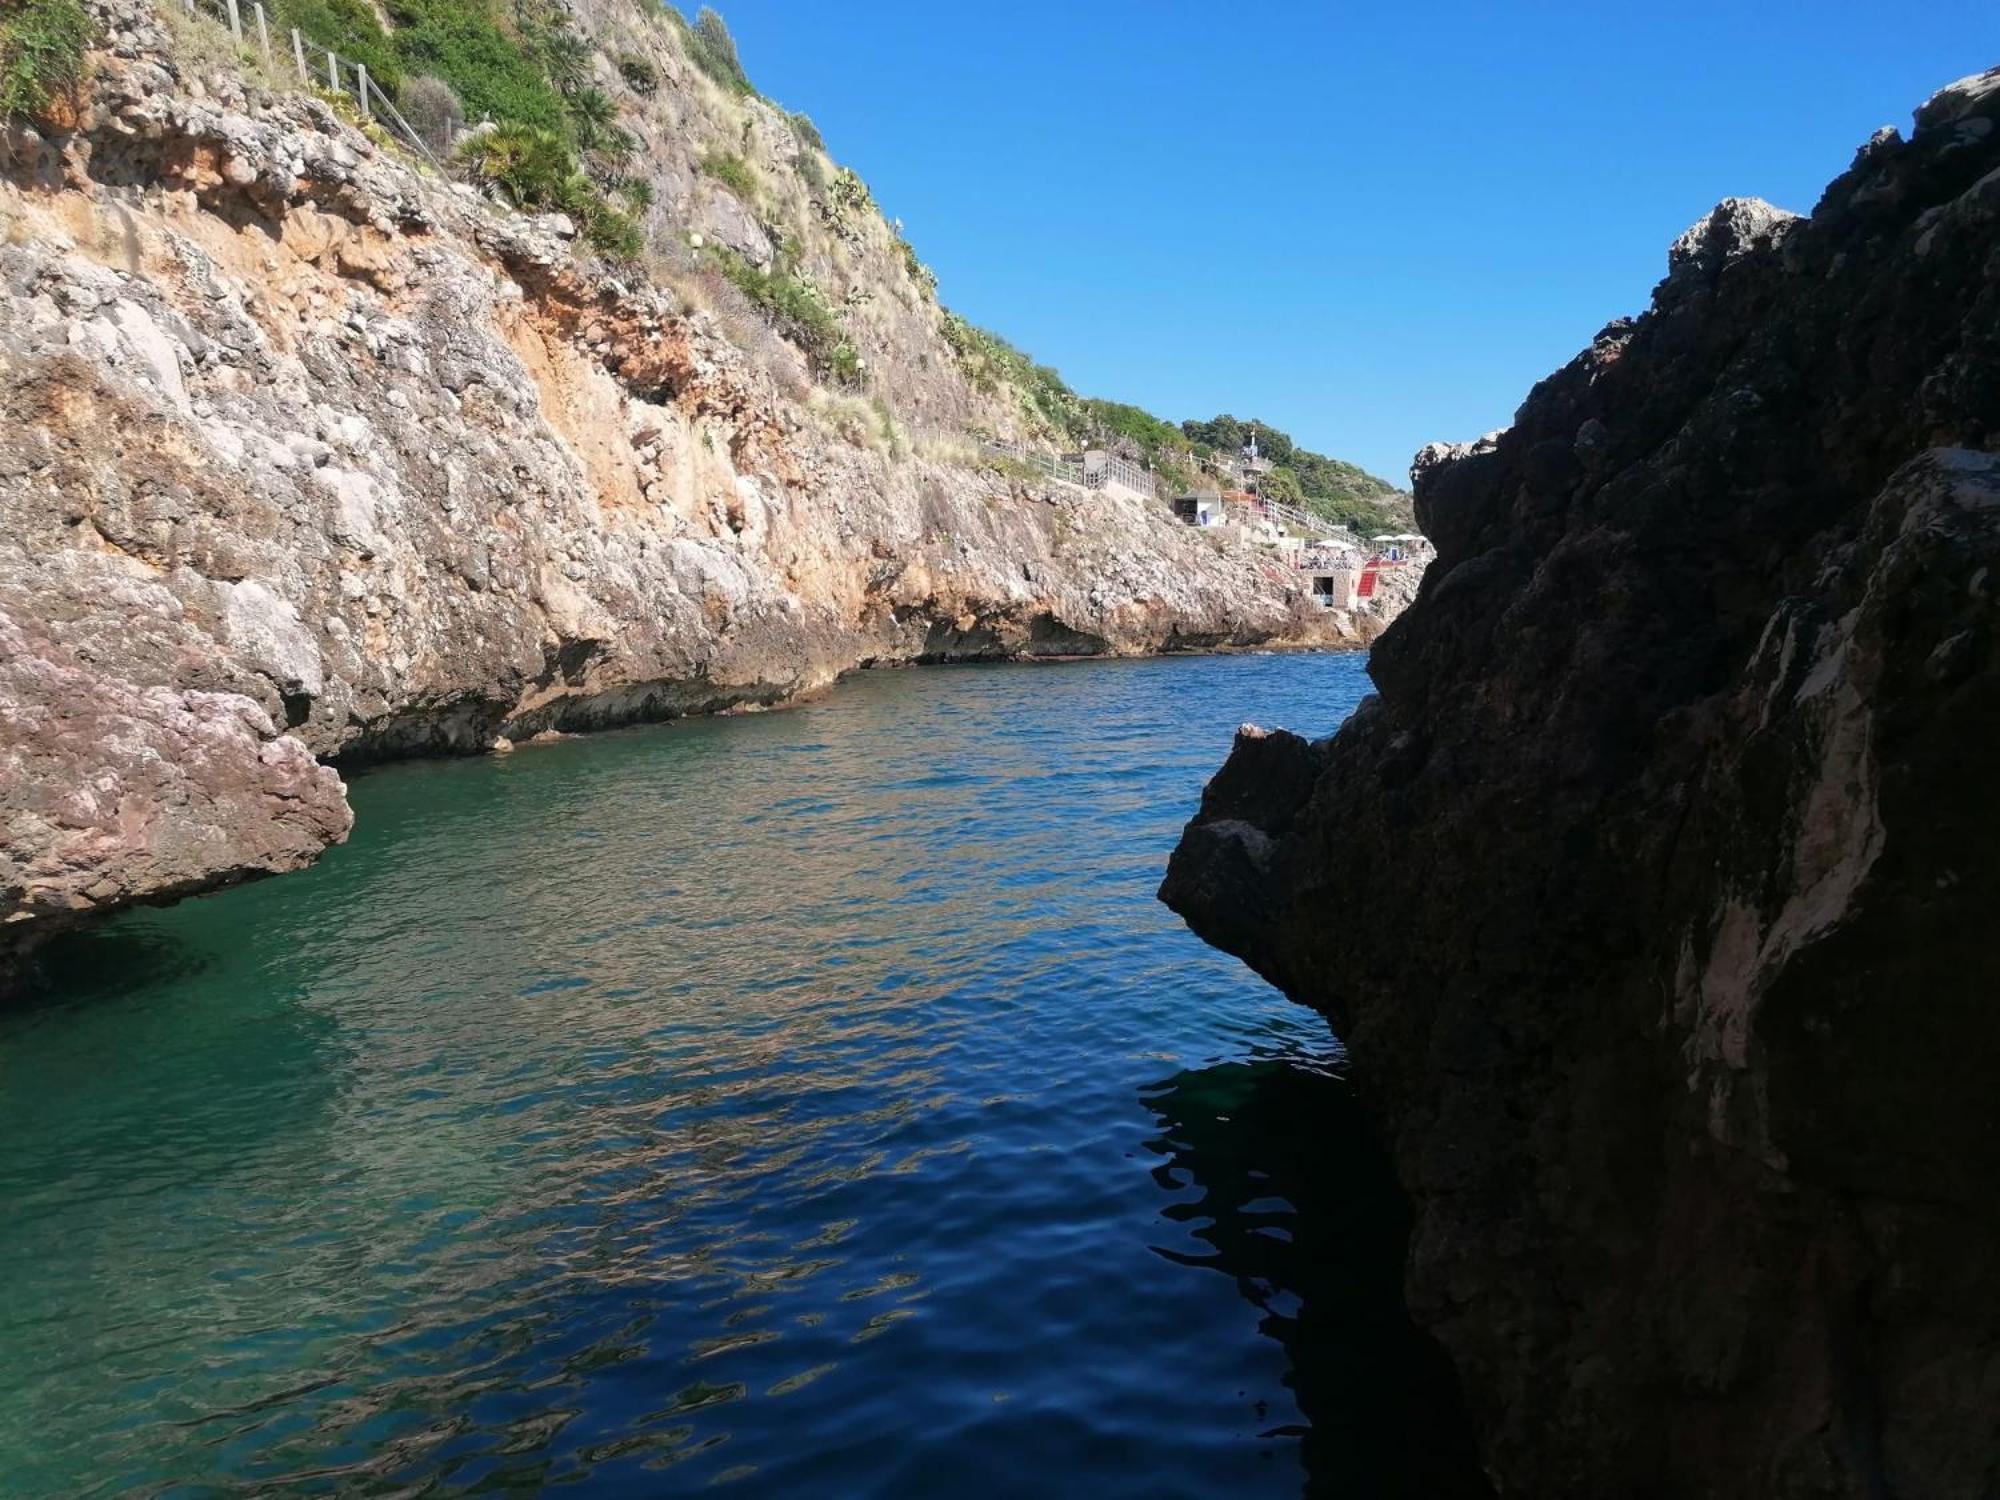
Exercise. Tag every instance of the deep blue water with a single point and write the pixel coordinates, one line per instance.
(812, 1103)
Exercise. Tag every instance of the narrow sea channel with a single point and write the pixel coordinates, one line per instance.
(812, 1103)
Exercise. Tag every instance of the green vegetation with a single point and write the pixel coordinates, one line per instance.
(921, 274)
(639, 72)
(1161, 444)
(494, 70)
(848, 191)
(890, 436)
(1363, 517)
(711, 48)
(42, 43)
(797, 310)
(530, 163)
(556, 143)
(990, 362)
(1154, 438)
(1178, 455)
(349, 27)
(537, 169)
(733, 172)
(806, 133)
(1339, 491)
(432, 109)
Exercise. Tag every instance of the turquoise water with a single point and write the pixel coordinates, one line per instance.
(813, 1103)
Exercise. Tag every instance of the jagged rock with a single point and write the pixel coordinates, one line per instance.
(1729, 231)
(1650, 893)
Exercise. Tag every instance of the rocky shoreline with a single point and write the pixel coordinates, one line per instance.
(1649, 892)
(306, 456)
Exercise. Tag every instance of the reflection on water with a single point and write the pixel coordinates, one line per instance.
(759, 1102)
(1281, 1180)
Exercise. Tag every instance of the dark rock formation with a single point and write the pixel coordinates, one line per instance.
(1650, 892)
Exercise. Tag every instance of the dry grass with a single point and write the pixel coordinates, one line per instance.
(14, 228)
(947, 448)
(701, 287)
(202, 43)
(856, 420)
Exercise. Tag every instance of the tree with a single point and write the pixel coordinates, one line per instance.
(1283, 485)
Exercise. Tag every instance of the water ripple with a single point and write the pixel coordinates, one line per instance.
(773, 1102)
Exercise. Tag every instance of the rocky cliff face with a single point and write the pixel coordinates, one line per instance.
(305, 455)
(1650, 892)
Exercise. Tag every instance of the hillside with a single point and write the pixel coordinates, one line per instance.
(309, 452)
(646, 130)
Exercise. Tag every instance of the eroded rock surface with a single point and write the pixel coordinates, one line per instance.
(112, 793)
(1651, 891)
(284, 421)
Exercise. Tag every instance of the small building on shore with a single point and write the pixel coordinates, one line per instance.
(1332, 570)
(1332, 588)
(1203, 508)
(1404, 546)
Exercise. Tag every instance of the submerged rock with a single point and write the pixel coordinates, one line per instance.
(1650, 893)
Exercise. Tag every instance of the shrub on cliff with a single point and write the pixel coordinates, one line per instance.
(638, 72)
(1154, 437)
(733, 172)
(349, 27)
(797, 310)
(529, 163)
(711, 48)
(606, 226)
(537, 169)
(42, 44)
(990, 362)
(432, 109)
(921, 274)
(492, 69)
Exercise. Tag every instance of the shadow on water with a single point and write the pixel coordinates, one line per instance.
(101, 964)
(1296, 1202)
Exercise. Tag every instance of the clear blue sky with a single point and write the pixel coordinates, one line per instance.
(1372, 224)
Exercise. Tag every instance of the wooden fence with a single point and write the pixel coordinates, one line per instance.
(317, 67)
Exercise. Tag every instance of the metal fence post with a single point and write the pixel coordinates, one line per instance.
(332, 71)
(263, 31)
(235, 22)
(299, 55)
(361, 87)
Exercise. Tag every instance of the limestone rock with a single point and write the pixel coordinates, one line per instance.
(284, 420)
(112, 793)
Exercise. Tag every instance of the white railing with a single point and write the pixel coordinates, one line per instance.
(1122, 471)
(1306, 521)
(340, 74)
(1051, 464)
(1086, 471)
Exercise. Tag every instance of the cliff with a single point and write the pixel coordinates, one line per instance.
(307, 455)
(1649, 891)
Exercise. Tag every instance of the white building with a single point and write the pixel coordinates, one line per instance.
(1201, 510)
